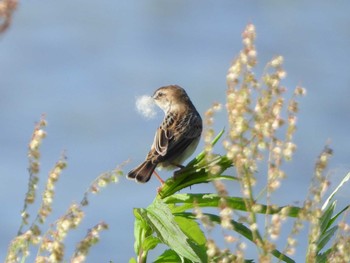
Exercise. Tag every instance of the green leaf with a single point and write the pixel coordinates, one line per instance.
(163, 223)
(192, 230)
(326, 217)
(244, 231)
(138, 230)
(187, 201)
(338, 214)
(170, 256)
(150, 242)
(143, 235)
(132, 260)
(196, 174)
(323, 257)
(345, 179)
(325, 237)
(201, 156)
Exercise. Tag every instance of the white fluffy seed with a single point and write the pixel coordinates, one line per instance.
(145, 106)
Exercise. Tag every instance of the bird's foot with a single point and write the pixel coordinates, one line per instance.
(177, 173)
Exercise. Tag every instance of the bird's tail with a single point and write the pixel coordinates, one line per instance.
(143, 172)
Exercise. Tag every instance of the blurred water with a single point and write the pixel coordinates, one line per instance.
(84, 62)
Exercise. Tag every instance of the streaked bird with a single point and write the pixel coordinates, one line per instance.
(176, 138)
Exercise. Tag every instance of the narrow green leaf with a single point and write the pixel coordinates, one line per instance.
(338, 214)
(201, 156)
(138, 230)
(218, 137)
(197, 174)
(184, 202)
(323, 257)
(345, 179)
(326, 217)
(143, 235)
(244, 231)
(325, 237)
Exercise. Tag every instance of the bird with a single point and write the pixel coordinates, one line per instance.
(177, 136)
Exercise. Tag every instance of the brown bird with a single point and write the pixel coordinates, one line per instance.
(176, 138)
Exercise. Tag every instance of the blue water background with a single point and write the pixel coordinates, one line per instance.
(83, 63)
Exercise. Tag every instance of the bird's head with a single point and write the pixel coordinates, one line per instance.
(170, 97)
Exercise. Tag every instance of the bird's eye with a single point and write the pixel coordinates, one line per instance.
(160, 94)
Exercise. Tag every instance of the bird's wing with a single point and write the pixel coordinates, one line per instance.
(174, 136)
(161, 141)
(164, 135)
(171, 140)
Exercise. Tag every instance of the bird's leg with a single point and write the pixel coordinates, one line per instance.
(158, 177)
(160, 180)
